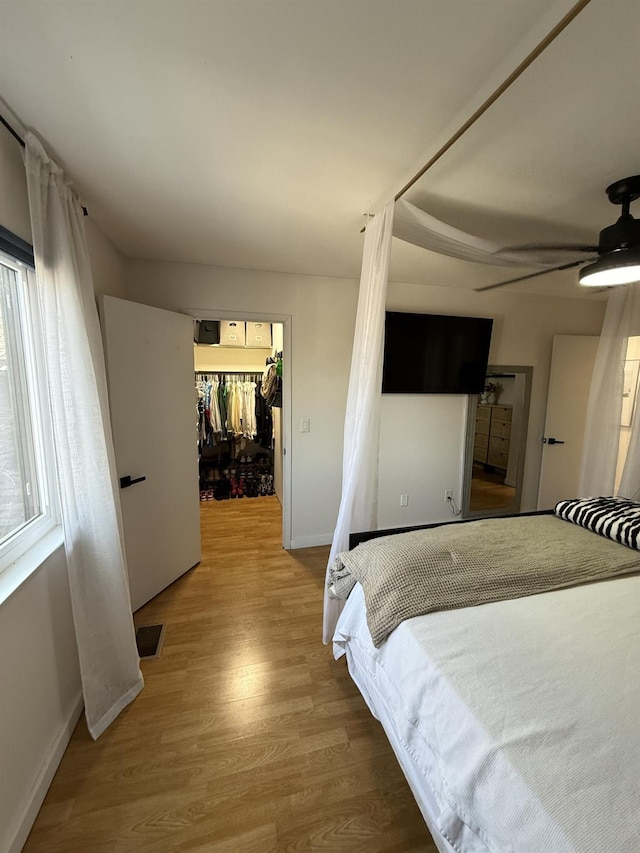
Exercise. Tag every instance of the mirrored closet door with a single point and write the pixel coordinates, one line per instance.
(496, 442)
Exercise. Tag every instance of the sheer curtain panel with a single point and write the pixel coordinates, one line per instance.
(109, 662)
(604, 410)
(416, 226)
(358, 505)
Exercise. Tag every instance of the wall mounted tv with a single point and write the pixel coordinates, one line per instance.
(435, 354)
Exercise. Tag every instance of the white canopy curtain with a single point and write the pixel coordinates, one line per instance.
(604, 410)
(109, 662)
(358, 506)
(360, 462)
(416, 226)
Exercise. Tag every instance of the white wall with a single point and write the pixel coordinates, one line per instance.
(506, 396)
(422, 442)
(106, 261)
(41, 695)
(39, 674)
(14, 205)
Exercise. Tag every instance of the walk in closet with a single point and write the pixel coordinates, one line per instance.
(238, 383)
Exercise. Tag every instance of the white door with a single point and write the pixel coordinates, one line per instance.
(572, 363)
(149, 357)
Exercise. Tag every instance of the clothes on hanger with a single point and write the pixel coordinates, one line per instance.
(228, 407)
(264, 423)
(249, 409)
(271, 388)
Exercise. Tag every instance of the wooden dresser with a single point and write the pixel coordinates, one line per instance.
(493, 435)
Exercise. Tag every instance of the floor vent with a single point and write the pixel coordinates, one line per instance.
(149, 641)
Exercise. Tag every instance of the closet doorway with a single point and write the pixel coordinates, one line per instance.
(242, 382)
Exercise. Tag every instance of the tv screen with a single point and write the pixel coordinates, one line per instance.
(435, 354)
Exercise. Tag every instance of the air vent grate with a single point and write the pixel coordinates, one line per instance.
(149, 640)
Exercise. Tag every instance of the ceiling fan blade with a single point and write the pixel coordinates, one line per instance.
(552, 247)
(531, 275)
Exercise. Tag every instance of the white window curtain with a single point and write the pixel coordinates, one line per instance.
(109, 662)
(604, 410)
(358, 506)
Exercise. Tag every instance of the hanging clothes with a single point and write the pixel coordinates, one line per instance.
(264, 423)
(222, 407)
(201, 386)
(248, 409)
(214, 406)
(234, 409)
(227, 407)
(271, 388)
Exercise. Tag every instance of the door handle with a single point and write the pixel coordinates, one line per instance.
(552, 441)
(126, 481)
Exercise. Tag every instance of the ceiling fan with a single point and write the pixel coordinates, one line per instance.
(616, 258)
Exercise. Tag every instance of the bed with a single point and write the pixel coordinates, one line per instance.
(516, 722)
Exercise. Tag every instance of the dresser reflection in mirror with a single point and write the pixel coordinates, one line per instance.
(491, 486)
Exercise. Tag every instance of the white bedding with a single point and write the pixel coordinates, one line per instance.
(517, 723)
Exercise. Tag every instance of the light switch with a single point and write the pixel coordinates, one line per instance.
(305, 425)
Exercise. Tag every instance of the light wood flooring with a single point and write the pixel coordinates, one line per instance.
(248, 736)
(488, 490)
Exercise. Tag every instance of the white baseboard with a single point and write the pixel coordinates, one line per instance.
(311, 541)
(41, 785)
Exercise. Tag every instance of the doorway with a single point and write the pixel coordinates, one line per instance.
(237, 466)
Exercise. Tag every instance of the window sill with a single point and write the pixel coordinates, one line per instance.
(17, 573)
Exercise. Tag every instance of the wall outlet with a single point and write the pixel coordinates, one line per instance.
(448, 495)
(404, 500)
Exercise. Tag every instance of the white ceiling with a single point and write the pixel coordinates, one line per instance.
(256, 133)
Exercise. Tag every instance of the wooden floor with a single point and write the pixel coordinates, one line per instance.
(488, 490)
(248, 736)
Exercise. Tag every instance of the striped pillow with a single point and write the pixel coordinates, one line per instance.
(613, 518)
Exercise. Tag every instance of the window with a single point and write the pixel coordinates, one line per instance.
(25, 506)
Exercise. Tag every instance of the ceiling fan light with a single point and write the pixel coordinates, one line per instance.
(608, 272)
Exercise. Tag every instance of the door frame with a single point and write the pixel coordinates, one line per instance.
(285, 320)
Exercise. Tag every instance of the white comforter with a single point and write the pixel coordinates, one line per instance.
(520, 719)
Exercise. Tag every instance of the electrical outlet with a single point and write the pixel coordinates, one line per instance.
(404, 500)
(448, 495)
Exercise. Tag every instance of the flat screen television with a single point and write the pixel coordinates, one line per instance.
(435, 354)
